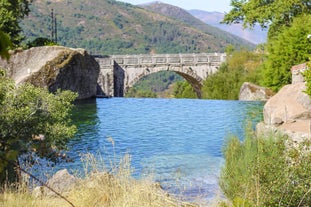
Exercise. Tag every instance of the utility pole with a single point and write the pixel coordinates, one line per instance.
(53, 27)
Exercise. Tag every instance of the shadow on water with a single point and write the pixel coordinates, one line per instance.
(85, 117)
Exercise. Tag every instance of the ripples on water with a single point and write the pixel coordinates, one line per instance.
(178, 141)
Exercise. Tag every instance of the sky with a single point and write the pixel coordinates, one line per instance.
(205, 5)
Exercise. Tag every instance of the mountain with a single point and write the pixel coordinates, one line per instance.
(109, 27)
(186, 17)
(256, 35)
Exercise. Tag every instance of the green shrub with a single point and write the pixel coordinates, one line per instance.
(267, 171)
(307, 77)
(41, 41)
(183, 89)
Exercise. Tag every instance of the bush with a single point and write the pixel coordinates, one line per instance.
(41, 41)
(267, 171)
(32, 121)
(183, 89)
(307, 77)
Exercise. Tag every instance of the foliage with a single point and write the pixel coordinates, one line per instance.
(136, 93)
(32, 121)
(289, 24)
(41, 41)
(11, 13)
(307, 77)
(225, 84)
(242, 66)
(183, 89)
(5, 44)
(290, 47)
(267, 171)
(273, 14)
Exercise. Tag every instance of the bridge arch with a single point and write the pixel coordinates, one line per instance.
(186, 72)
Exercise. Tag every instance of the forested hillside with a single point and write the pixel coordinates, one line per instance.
(110, 27)
(186, 17)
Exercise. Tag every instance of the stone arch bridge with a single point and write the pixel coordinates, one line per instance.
(118, 73)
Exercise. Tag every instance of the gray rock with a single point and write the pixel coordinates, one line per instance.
(62, 182)
(252, 92)
(55, 67)
(288, 105)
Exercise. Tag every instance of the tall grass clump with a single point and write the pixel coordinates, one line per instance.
(102, 186)
(267, 170)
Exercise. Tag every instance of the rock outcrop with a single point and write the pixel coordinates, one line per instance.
(288, 112)
(55, 67)
(252, 92)
(288, 105)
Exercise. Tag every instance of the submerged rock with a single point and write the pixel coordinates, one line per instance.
(252, 92)
(55, 67)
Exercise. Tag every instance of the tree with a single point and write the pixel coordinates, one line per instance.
(33, 122)
(11, 13)
(273, 14)
(41, 41)
(183, 89)
(290, 47)
(5, 44)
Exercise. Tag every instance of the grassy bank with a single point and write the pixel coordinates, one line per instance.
(115, 189)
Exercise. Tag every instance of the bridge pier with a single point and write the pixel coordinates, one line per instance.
(119, 73)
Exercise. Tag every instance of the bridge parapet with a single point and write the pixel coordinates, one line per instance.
(165, 59)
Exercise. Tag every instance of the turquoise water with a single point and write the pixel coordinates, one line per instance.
(177, 141)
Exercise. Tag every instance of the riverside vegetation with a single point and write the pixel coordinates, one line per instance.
(99, 188)
(266, 170)
(270, 169)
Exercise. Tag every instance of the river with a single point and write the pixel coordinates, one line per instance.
(177, 141)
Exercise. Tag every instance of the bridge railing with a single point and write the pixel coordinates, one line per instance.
(158, 59)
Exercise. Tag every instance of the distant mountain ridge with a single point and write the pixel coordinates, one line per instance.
(184, 16)
(109, 27)
(256, 35)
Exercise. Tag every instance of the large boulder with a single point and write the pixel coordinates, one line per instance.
(55, 67)
(252, 92)
(289, 105)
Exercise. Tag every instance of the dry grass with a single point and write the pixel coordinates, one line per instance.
(99, 189)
